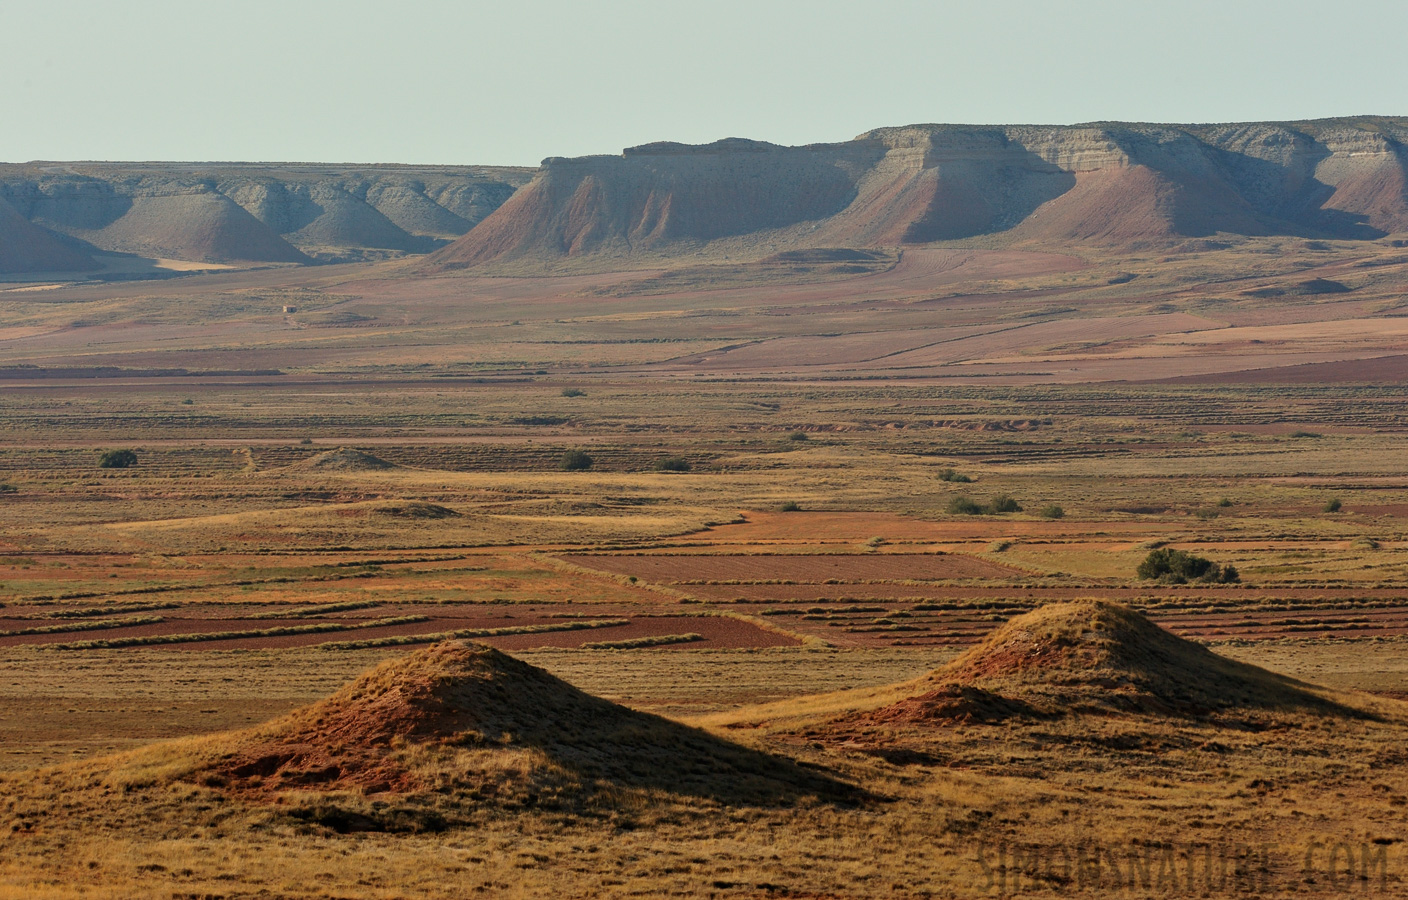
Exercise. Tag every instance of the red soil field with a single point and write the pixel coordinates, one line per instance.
(717, 631)
(813, 568)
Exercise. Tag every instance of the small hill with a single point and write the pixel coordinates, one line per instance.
(345, 459)
(467, 722)
(191, 222)
(1094, 656)
(25, 247)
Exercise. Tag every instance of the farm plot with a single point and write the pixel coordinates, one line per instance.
(794, 568)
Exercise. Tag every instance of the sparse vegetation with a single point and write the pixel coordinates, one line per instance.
(1052, 511)
(1333, 506)
(966, 506)
(798, 436)
(573, 392)
(1179, 567)
(954, 476)
(789, 506)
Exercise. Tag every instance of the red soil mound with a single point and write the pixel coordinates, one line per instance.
(1091, 655)
(464, 721)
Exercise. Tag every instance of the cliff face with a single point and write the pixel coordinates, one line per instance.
(1111, 183)
(242, 213)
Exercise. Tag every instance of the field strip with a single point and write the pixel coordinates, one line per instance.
(198, 637)
(469, 633)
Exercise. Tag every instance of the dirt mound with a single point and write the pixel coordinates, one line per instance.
(346, 459)
(414, 509)
(1092, 654)
(25, 247)
(1312, 288)
(464, 721)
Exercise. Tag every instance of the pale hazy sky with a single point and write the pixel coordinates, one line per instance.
(427, 81)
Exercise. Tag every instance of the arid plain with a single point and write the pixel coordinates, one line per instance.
(758, 645)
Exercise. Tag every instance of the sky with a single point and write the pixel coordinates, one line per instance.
(490, 83)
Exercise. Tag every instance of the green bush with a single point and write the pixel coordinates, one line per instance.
(798, 436)
(117, 459)
(964, 506)
(573, 392)
(1177, 567)
(1003, 503)
(955, 477)
(6, 488)
(575, 461)
(790, 506)
(672, 464)
(1052, 511)
(1333, 506)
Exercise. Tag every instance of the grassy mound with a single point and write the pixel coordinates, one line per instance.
(1091, 654)
(346, 459)
(466, 725)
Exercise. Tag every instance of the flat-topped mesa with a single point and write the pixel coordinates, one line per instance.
(1110, 183)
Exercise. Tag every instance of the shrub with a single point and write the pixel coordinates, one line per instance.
(573, 392)
(1177, 567)
(672, 464)
(1332, 506)
(575, 461)
(955, 477)
(798, 436)
(117, 459)
(304, 442)
(1003, 503)
(7, 488)
(1052, 511)
(964, 506)
(1224, 502)
(790, 506)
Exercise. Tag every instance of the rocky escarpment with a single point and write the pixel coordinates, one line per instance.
(1112, 183)
(232, 212)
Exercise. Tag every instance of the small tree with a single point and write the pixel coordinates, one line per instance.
(1003, 503)
(672, 464)
(575, 461)
(1177, 567)
(117, 459)
(964, 506)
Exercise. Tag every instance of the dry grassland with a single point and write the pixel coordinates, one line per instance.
(843, 398)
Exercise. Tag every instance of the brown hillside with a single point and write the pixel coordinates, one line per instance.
(25, 247)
